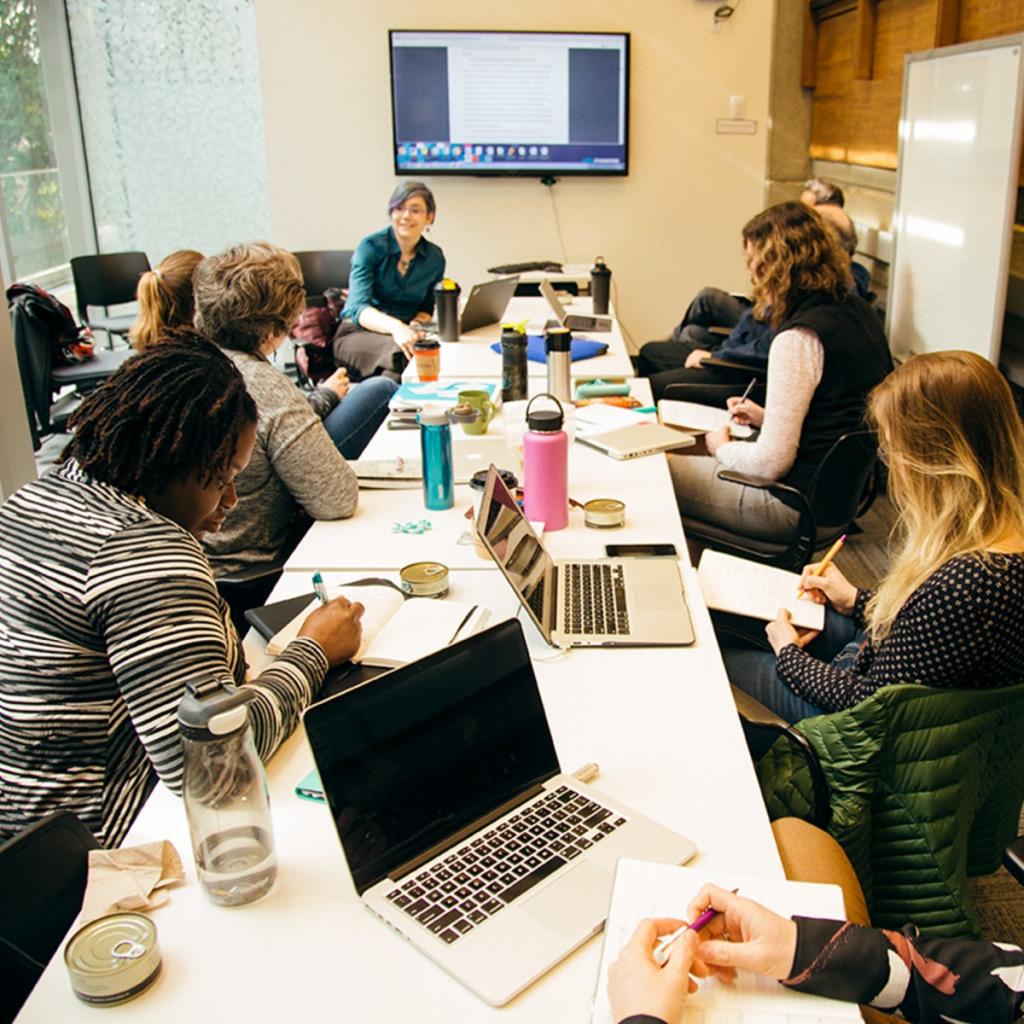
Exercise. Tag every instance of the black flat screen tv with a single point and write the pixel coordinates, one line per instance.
(510, 103)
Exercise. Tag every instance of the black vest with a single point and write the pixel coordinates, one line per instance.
(857, 357)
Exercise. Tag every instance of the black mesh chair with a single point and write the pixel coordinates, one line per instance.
(842, 488)
(40, 379)
(43, 872)
(324, 268)
(110, 279)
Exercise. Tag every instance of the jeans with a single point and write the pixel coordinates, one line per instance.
(750, 661)
(355, 419)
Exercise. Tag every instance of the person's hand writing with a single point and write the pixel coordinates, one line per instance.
(759, 940)
(336, 627)
(781, 632)
(637, 985)
(338, 382)
(714, 439)
(694, 358)
(743, 410)
(831, 586)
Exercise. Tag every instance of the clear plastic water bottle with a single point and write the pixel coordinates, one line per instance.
(225, 792)
(546, 466)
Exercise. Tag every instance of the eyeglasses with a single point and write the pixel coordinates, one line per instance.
(413, 211)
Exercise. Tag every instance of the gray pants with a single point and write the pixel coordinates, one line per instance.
(749, 511)
(366, 353)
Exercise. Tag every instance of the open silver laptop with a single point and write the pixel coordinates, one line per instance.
(458, 826)
(574, 321)
(632, 602)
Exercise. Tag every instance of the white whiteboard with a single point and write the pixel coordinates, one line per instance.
(956, 185)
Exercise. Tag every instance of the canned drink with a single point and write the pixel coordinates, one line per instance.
(424, 579)
(113, 959)
(604, 513)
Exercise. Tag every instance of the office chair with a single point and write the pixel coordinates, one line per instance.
(324, 268)
(43, 873)
(40, 379)
(109, 279)
(842, 488)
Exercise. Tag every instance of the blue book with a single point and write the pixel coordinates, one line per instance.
(414, 392)
(582, 348)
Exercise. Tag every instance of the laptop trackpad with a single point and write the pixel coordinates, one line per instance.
(577, 902)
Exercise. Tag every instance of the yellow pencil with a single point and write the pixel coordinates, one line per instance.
(825, 562)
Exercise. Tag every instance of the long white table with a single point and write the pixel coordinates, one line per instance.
(659, 722)
(472, 356)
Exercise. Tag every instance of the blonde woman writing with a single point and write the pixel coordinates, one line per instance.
(950, 611)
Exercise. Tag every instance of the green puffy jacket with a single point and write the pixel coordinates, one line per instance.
(925, 789)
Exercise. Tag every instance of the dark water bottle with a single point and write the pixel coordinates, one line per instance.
(225, 793)
(446, 307)
(513, 362)
(600, 286)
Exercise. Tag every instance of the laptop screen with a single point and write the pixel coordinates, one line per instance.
(508, 536)
(414, 756)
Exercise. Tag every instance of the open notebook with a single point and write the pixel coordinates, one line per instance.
(743, 587)
(396, 629)
(691, 416)
(643, 889)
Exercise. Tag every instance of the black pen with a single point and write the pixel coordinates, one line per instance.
(468, 616)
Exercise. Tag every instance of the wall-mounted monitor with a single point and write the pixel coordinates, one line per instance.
(522, 103)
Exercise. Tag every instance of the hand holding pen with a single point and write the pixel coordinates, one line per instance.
(663, 949)
(742, 410)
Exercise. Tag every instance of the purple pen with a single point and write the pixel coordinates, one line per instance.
(664, 946)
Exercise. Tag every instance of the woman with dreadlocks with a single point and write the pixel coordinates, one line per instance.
(108, 604)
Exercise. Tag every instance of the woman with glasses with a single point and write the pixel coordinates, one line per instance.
(950, 610)
(390, 288)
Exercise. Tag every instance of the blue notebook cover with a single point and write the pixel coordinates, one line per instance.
(414, 392)
(582, 348)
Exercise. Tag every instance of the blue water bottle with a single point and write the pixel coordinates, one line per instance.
(436, 450)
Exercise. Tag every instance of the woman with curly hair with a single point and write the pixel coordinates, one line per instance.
(108, 606)
(829, 352)
(166, 302)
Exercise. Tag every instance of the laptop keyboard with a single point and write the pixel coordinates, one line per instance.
(594, 599)
(480, 879)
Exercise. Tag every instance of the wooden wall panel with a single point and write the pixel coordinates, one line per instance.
(856, 121)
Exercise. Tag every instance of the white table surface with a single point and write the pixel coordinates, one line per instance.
(471, 355)
(366, 539)
(659, 723)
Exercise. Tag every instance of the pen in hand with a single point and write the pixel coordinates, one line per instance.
(825, 562)
(664, 947)
(319, 589)
(743, 397)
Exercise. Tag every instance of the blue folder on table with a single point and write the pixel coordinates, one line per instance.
(582, 348)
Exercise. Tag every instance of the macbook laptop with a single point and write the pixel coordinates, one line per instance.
(459, 828)
(636, 440)
(574, 321)
(486, 303)
(468, 459)
(632, 602)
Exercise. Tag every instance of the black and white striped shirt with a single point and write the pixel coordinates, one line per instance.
(106, 610)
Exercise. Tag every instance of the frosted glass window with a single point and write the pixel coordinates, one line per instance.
(173, 122)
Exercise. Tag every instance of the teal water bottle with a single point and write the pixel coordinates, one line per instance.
(436, 451)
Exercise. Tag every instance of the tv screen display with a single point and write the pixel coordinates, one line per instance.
(523, 103)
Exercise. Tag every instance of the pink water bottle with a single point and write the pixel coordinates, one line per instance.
(546, 467)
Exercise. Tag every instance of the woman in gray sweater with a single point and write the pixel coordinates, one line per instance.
(247, 300)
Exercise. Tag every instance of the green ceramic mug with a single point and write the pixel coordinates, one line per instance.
(481, 401)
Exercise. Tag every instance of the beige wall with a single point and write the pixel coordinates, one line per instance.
(669, 227)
